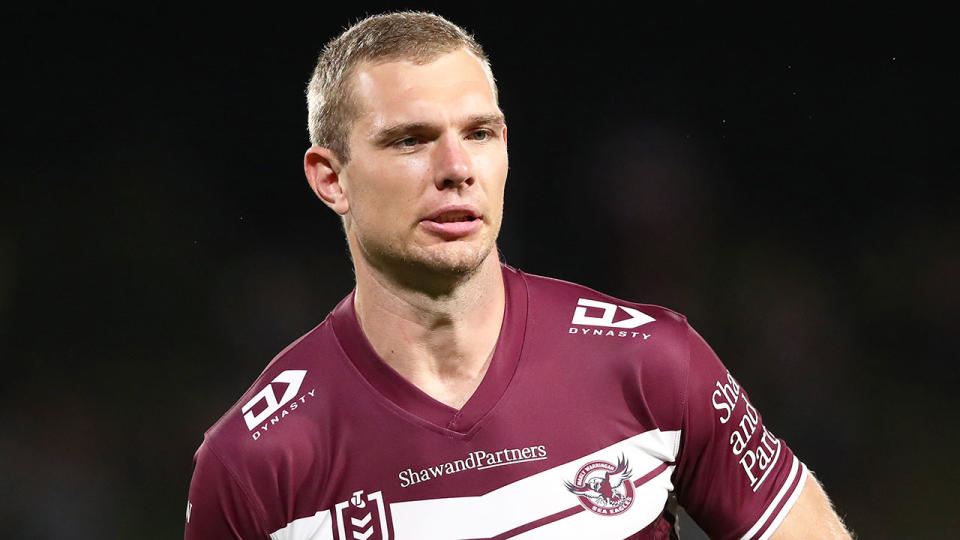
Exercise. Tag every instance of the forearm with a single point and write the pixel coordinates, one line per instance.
(812, 516)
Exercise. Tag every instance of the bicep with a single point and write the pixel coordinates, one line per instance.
(734, 476)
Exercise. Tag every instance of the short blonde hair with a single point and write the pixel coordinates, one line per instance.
(409, 35)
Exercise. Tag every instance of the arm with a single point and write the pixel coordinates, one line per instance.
(736, 478)
(812, 516)
(219, 508)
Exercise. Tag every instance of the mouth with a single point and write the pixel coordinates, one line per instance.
(453, 215)
(453, 223)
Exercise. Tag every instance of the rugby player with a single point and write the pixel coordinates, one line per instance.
(450, 396)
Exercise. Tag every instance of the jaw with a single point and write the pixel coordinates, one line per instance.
(430, 265)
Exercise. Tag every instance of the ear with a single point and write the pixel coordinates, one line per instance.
(322, 169)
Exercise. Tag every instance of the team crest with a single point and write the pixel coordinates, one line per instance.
(604, 488)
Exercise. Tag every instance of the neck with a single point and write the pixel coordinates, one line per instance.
(441, 339)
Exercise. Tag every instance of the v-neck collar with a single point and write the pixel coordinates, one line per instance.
(401, 392)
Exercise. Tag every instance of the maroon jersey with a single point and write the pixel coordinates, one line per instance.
(592, 412)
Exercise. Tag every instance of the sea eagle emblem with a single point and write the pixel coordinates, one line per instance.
(602, 487)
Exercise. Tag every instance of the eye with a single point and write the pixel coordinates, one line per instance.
(406, 142)
(480, 135)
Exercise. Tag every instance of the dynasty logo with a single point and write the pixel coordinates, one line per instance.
(265, 410)
(604, 488)
(607, 322)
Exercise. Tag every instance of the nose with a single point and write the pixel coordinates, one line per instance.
(451, 163)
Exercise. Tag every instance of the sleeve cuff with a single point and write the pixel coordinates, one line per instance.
(780, 506)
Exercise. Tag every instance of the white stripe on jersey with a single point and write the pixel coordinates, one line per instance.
(647, 505)
(794, 467)
(539, 496)
(316, 527)
(527, 500)
(788, 505)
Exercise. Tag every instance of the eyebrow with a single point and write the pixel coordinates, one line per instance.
(390, 133)
(486, 119)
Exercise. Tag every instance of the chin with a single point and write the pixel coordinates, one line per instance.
(417, 263)
(452, 260)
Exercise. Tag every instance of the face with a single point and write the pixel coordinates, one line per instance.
(423, 189)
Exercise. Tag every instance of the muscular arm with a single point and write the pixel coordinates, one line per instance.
(812, 516)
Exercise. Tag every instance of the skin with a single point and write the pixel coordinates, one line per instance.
(432, 136)
(812, 516)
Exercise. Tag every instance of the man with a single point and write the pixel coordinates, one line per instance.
(450, 396)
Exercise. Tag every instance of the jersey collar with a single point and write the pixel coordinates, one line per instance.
(392, 386)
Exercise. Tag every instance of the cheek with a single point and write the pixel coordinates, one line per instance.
(495, 167)
(374, 180)
(412, 182)
(385, 193)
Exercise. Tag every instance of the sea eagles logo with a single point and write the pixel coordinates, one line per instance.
(604, 488)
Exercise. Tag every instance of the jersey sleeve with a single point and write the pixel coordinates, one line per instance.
(217, 506)
(734, 476)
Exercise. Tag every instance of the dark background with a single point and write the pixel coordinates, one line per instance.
(785, 179)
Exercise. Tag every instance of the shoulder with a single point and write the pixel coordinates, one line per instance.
(592, 312)
(268, 456)
(645, 346)
(278, 412)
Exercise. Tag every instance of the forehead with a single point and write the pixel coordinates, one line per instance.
(455, 83)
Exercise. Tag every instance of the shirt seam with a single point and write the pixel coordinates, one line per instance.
(261, 520)
(685, 392)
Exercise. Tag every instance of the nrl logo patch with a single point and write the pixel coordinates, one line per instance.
(361, 520)
(604, 488)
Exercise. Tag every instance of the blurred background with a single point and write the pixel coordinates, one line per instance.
(785, 179)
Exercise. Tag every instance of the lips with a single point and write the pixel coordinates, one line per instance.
(452, 215)
(452, 222)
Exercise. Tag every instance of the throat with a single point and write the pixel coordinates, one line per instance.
(443, 347)
(451, 385)
(453, 395)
